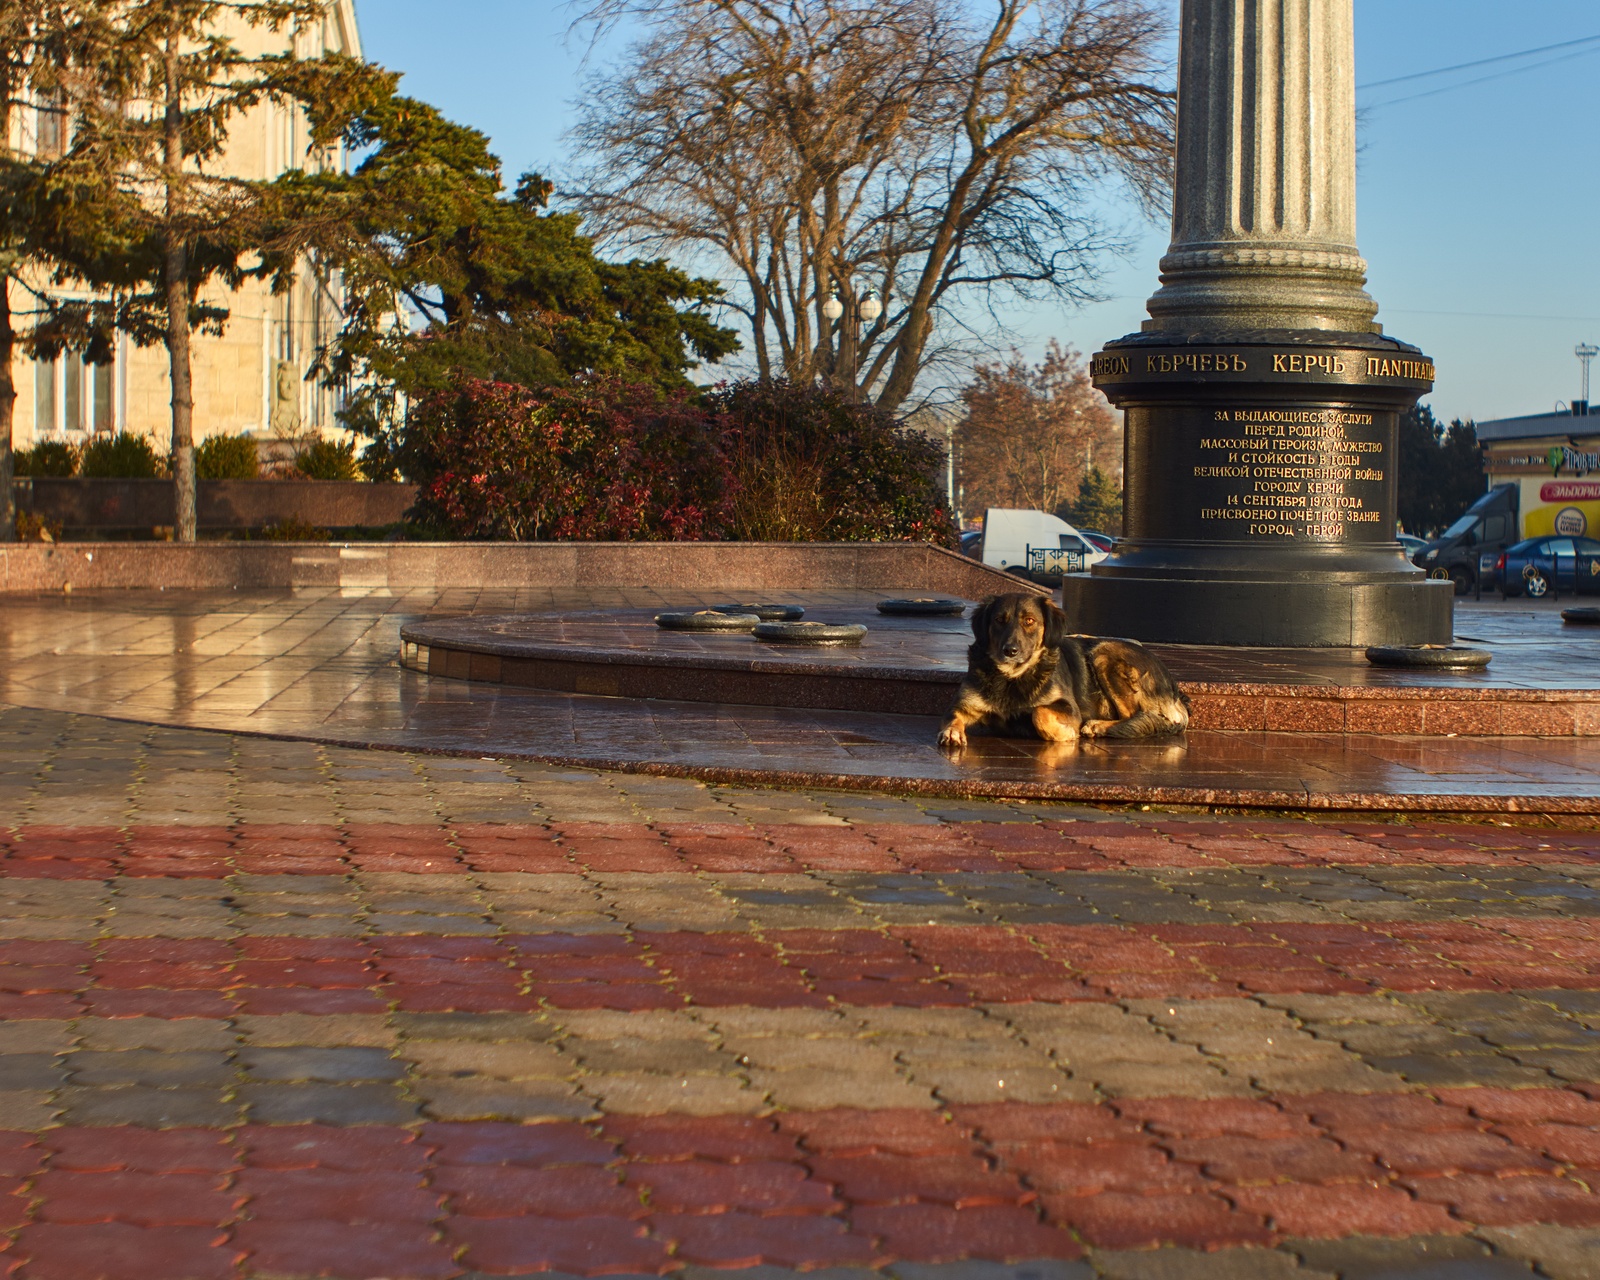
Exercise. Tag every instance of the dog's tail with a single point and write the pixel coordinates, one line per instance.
(1163, 711)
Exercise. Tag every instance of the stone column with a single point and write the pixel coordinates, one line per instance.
(1262, 399)
(1264, 217)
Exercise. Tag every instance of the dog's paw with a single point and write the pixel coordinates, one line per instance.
(1096, 728)
(953, 738)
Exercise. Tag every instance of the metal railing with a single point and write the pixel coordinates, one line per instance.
(1052, 562)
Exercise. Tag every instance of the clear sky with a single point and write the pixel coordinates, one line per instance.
(1478, 205)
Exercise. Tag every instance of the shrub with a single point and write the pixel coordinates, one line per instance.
(294, 529)
(327, 460)
(47, 458)
(814, 465)
(601, 460)
(35, 528)
(227, 458)
(123, 456)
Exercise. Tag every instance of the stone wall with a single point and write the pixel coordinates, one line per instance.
(81, 505)
(697, 566)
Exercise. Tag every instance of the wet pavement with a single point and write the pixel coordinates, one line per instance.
(322, 664)
(282, 1009)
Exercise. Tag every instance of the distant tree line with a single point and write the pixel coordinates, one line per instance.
(1440, 471)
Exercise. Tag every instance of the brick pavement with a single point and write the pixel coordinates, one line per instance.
(275, 1009)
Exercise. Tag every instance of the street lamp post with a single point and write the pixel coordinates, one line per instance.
(868, 309)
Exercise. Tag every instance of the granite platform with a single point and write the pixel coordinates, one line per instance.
(321, 665)
(1544, 680)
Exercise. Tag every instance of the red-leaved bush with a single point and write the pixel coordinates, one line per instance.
(600, 460)
(607, 460)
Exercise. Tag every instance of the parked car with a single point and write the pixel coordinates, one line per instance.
(1412, 544)
(1104, 541)
(1536, 566)
(972, 544)
(1489, 525)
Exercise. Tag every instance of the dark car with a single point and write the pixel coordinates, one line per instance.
(1104, 541)
(1489, 526)
(1536, 566)
(972, 543)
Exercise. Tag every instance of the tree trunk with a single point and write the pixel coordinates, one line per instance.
(8, 407)
(175, 279)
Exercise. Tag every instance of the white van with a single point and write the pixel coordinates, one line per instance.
(1012, 536)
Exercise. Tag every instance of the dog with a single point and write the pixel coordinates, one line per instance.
(1024, 670)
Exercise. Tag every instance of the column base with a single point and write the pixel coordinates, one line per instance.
(1263, 613)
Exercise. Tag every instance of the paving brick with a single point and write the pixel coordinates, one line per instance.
(117, 1251)
(1088, 1168)
(357, 1148)
(1498, 1202)
(498, 1191)
(745, 1240)
(526, 1244)
(156, 1108)
(172, 1200)
(729, 1138)
(1458, 1151)
(351, 1250)
(1113, 1220)
(324, 1104)
(1346, 1208)
(1193, 1264)
(756, 1186)
(532, 1146)
(936, 1233)
(105, 1150)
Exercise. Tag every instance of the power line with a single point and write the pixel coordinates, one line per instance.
(1481, 62)
(1497, 75)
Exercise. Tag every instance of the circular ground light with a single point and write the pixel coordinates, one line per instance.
(923, 607)
(766, 612)
(1583, 617)
(814, 633)
(1436, 656)
(707, 620)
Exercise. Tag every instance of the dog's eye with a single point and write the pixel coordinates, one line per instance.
(1028, 623)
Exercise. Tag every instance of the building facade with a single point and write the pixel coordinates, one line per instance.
(252, 379)
(1554, 460)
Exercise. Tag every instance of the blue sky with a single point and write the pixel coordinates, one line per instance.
(1478, 205)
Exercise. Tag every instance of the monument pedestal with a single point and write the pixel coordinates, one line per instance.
(1262, 399)
(1260, 494)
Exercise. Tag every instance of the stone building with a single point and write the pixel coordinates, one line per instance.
(252, 379)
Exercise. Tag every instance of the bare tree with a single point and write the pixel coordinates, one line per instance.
(822, 148)
(1030, 433)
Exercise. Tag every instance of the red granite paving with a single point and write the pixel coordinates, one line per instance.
(793, 1187)
(789, 968)
(632, 1193)
(92, 853)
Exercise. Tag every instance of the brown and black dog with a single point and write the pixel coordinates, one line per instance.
(1024, 670)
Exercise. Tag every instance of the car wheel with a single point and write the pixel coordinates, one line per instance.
(1534, 583)
(1463, 580)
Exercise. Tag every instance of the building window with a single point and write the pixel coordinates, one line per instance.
(44, 398)
(51, 130)
(72, 396)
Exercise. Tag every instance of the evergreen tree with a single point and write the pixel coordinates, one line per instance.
(494, 284)
(1098, 505)
(144, 211)
(1440, 471)
(32, 50)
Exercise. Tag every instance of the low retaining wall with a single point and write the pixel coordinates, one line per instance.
(82, 504)
(693, 566)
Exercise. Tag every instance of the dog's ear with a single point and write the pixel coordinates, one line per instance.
(981, 617)
(1055, 625)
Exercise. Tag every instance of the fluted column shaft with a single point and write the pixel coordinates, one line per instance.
(1263, 226)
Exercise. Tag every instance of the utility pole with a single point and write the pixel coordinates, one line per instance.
(1585, 351)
